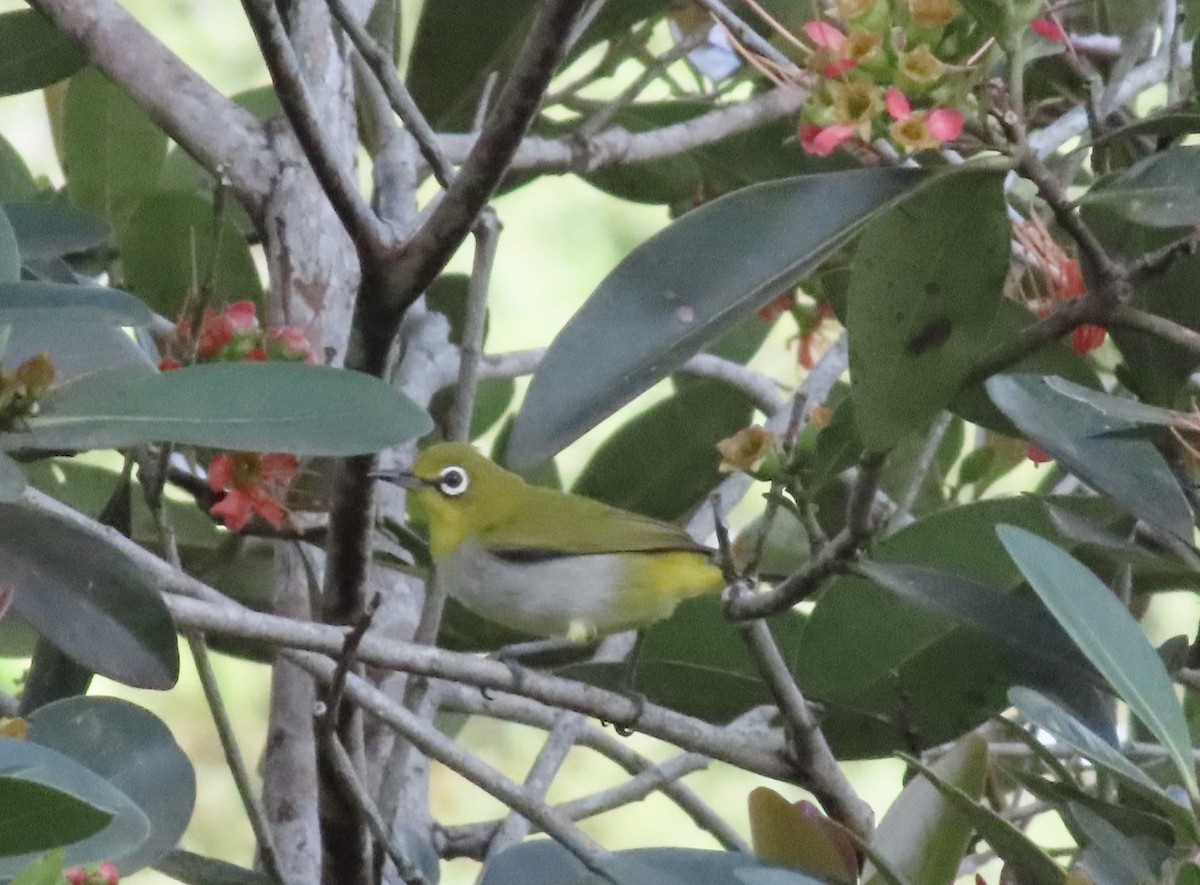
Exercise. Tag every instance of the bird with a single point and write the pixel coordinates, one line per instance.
(545, 562)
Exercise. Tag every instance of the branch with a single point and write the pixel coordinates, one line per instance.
(761, 753)
(527, 712)
(829, 560)
(224, 138)
(367, 231)
(618, 145)
(421, 259)
(437, 746)
(1168, 330)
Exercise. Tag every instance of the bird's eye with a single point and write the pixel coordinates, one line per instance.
(453, 481)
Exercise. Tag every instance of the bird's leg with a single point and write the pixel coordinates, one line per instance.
(626, 689)
(511, 655)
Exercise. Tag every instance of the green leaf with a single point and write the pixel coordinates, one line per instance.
(95, 605)
(1012, 845)
(12, 479)
(1044, 713)
(628, 470)
(1106, 632)
(87, 357)
(47, 871)
(923, 837)
(789, 835)
(925, 283)
(34, 53)
(112, 152)
(35, 761)
(16, 181)
(1189, 874)
(48, 230)
(135, 752)
(91, 305)
(195, 869)
(1131, 471)
(1162, 190)
(36, 817)
(1122, 857)
(173, 244)
(262, 407)
(685, 287)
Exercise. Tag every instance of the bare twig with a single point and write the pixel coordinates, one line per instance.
(831, 559)
(383, 67)
(487, 236)
(343, 768)
(617, 145)
(746, 34)
(762, 752)
(550, 759)
(437, 746)
(920, 471)
(367, 231)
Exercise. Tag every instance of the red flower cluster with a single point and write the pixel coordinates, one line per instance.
(104, 874)
(252, 483)
(1060, 279)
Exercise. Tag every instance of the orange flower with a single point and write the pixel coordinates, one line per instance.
(252, 483)
(1061, 279)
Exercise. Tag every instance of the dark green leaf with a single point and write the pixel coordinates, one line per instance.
(1163, 190)
(1077, 435)
(1012, 845)
(16, 181)
(1044, 713)
(95, 605)
(1189, 874)
(925, 284)
(685, 287)
(48, 230)
(195, 869)
(34, 53)
(92, 305)
(1106, 632)
(174, 244)
(263, 407)
(112, 152)
(1121, 856)
(34, 761)
(36, 817)
(630, 470)
(135, 752)
(1023, 625)
(923, 837)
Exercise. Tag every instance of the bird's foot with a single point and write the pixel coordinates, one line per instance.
(628, 726)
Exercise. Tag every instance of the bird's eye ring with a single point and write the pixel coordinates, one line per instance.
(453, 481)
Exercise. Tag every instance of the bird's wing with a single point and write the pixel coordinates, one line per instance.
(592, 527)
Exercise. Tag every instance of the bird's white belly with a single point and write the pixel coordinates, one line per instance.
(548, 597)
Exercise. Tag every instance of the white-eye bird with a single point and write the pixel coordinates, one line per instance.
(546, 562)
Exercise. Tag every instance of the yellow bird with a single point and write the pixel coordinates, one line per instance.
(546, 562)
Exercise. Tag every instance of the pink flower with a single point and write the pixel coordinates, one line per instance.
(822, 141)
(944, 124)
(897, 103)
(289, 343)
(1048, 28)
(169, 364)
(242, 316)
(252, 484)
(780, 305)
(825, 36)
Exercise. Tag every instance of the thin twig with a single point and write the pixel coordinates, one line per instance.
(437, 746)
(550, 759)
(920, 471)
(487, 236)
(830, 560)
(746, 35)
(367, 231)
(820, 772)
(343, 768)
(382, 65)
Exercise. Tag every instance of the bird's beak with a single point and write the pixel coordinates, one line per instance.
(399, 477)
